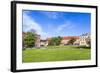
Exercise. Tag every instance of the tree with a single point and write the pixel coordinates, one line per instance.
(55, 40)
(71, 41)
(28, 39)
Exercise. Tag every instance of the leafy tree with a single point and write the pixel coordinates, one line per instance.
(55, 40)
(71, 41)
(28, 39)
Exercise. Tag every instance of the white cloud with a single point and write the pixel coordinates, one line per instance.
(52, 15)
(61, 27)
(66, 25)
(29, 23)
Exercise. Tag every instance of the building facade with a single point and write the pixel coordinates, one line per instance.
(44, 43)
(65, 40)
(84, 39)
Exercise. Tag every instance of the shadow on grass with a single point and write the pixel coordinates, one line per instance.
(83, 47)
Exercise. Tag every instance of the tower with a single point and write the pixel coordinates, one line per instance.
(37, 41)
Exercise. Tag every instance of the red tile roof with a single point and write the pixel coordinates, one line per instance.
(70, 37)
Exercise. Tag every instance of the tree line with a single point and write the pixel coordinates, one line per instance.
(29, 39)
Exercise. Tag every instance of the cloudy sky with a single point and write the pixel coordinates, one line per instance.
(51, 24)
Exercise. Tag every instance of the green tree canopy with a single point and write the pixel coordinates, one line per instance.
(28, 39)
(71, 41)
(55, 40)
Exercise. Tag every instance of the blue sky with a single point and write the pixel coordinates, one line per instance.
(51, 24)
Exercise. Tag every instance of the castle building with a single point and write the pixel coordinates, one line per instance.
(84, 39)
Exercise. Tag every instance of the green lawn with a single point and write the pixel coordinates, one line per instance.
(56, 53)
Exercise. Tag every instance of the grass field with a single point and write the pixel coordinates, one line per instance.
(56, 53)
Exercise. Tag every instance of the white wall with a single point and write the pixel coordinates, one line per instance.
(5, 37)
